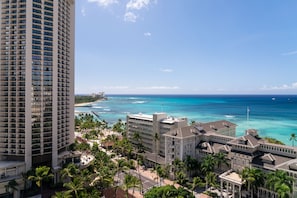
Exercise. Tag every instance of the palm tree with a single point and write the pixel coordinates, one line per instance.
(293, 138)
(122, 165)
(220, 158)
(75, 186)
(178, 166)
(62, 194)
(280, 182)
(210, 179)
(130, 181)
(162, 172)
(138, 140)
(70, 171)
(197, 182)
(42, 173)
(181, 178)
(208, 164)
(191, 164)
(283, 191)
(11, 186)
(254, 178)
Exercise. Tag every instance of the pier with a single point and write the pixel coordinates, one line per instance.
(96, 114)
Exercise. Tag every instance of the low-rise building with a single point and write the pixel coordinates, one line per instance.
(198, 140)
(150, 130)
(249, 150)
(177, 140)
(9, 171)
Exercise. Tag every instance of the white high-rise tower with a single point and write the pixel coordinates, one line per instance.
(36, 80)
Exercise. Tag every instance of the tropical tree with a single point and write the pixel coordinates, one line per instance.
(130, 181)
(42, 173)
(280, 182)
(11, 186)
(208, 164)
(210, 179)
(197, 182)
(138, 142)
(104, 177)
(178, 166)
(293, 138)
(122, 165)
(75, 186)
(119, 126)
(123, 147)
(25, 176)
(191, 164)
(168, 191)
(220, 159)
(181, 178)
(253, 177)
(62, 194)
(273, 140)
(162, 172)
(70, 171)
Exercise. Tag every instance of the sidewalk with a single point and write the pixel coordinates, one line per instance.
(152, 175)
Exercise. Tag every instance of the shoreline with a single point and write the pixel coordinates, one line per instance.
(87, 104)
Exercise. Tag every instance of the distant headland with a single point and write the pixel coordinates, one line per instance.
(87, 100)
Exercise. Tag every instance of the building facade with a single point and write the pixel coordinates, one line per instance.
(250, 150)
(151, 128)
(195, 140)
(36, 80)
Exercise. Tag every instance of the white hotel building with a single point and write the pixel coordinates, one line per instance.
(147, 126)
(179, 140)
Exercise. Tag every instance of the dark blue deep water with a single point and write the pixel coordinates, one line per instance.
(272, 115)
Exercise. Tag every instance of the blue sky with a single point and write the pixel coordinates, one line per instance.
(186, 47)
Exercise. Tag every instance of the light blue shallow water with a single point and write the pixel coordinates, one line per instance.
(273, 116)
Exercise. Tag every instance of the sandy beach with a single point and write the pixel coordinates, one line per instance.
(85, 104)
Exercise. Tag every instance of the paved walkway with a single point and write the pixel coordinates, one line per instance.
(152, 175)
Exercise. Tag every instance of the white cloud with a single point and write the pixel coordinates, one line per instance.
(159, 88)
(130, 17)
(104, 3)
(289, 53)
(116, 87)
(166, 70)
(137, 4)
(281, 87)
(147, 34)
(83, 11)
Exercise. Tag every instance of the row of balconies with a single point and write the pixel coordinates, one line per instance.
(12, 151)
(13, 89)
(13, 42)
(14, 47)
(13, 2)
(13, 94)
(6, 120)
(13, 53)
(13, 62)
(12, 125)
(12, 143)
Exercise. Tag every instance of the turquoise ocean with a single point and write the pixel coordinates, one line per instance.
(272, 115)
